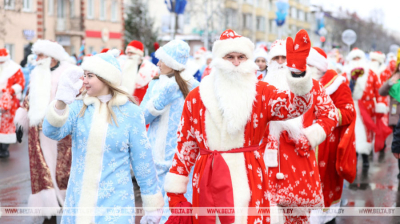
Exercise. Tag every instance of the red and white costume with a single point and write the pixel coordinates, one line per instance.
(336, 156)
(289, 148)
(12, 83)
(137, 72)
(368, 103)
(229, 112)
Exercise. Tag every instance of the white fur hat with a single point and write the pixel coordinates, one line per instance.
(355, 53)
(377, 55)
(318, 59)
(261, 53)
(51, 49)
(278, 48)
(104, 65)
(229, 42)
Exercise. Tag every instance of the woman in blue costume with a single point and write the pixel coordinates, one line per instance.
(108, 136)
(163, 104)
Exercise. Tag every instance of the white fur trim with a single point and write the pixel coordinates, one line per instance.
(279, 49)
(381, 108)
(10, 68)
(317, 60)
(315, 135)
(362, 145)
(21, 118)
(100, 67)
(168, 60)
(271, 158)
(260, 53)
(134, 50)
(377, 56)
(50, 48)
(17, 88)
(54, 118)
(152, 202)
(8, 138)
(302, 85)
(152, 110)
(118, 101)
(93, 161)
(355, 53)
(335, 85)
(239, 45)
(45, 198)
(4, 58)
(161, 140)
(175, 183)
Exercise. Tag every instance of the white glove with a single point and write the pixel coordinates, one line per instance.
(153, 217)
(69, 85)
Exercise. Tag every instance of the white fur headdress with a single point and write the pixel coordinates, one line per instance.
(50, 48)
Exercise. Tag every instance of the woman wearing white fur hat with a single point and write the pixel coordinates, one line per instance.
(108, 135)
(261, 59)
(163, 105)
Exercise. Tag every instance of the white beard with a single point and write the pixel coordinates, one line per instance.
(39, 92)
(129, 73)
(294, 127)
(235, 90)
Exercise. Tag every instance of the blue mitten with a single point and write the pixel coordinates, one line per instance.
(168, 94)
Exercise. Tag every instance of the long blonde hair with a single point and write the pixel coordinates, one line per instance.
(114, 92)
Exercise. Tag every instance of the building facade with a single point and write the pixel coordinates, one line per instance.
(99, 23)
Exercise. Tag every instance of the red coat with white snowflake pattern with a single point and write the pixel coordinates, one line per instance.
(12, 83)
(269, 104)
(336, 156)
(301, 185)
(365, 93)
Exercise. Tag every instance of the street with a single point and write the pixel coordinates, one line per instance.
(379, 187)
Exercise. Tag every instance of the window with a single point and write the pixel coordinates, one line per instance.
(90, 7)
(60, 8)
(90, 49)
(9, 4)
(260, 23)
(10, 50)
(26, 5)
(301, 15)
(102, 9)
(293, 13)
(114, 10)
(247, 21)
(187, 18)
(249, 1)
(51, 7)
(272, 26)
(271, 5)
(231, 18)
(71, 8)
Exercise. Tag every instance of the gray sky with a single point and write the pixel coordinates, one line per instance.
(391, 9)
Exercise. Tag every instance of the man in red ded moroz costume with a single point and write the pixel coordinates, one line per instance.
(136, 72)
(12, 83)
(289, 146)
(369, 105)
(222, 124)
(336, 156)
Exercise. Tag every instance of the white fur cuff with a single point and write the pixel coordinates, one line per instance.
(153, 111)
(175, 183)
(17, 88)
(302, 85)
(21, 118)
(152, 202)
(271, 158)
(315, 134)
(381, 108)
(54, 118)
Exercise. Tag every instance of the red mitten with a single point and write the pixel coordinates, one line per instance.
(297, 52)
(6, 101)
(357, 73)
(302, 146)
(177, 201)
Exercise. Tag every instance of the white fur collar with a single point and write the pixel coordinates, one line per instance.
(335, 85)
(119, 100)
(10, 68)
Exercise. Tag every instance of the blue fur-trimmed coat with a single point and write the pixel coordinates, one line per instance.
(102, 154)
(163, 129)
